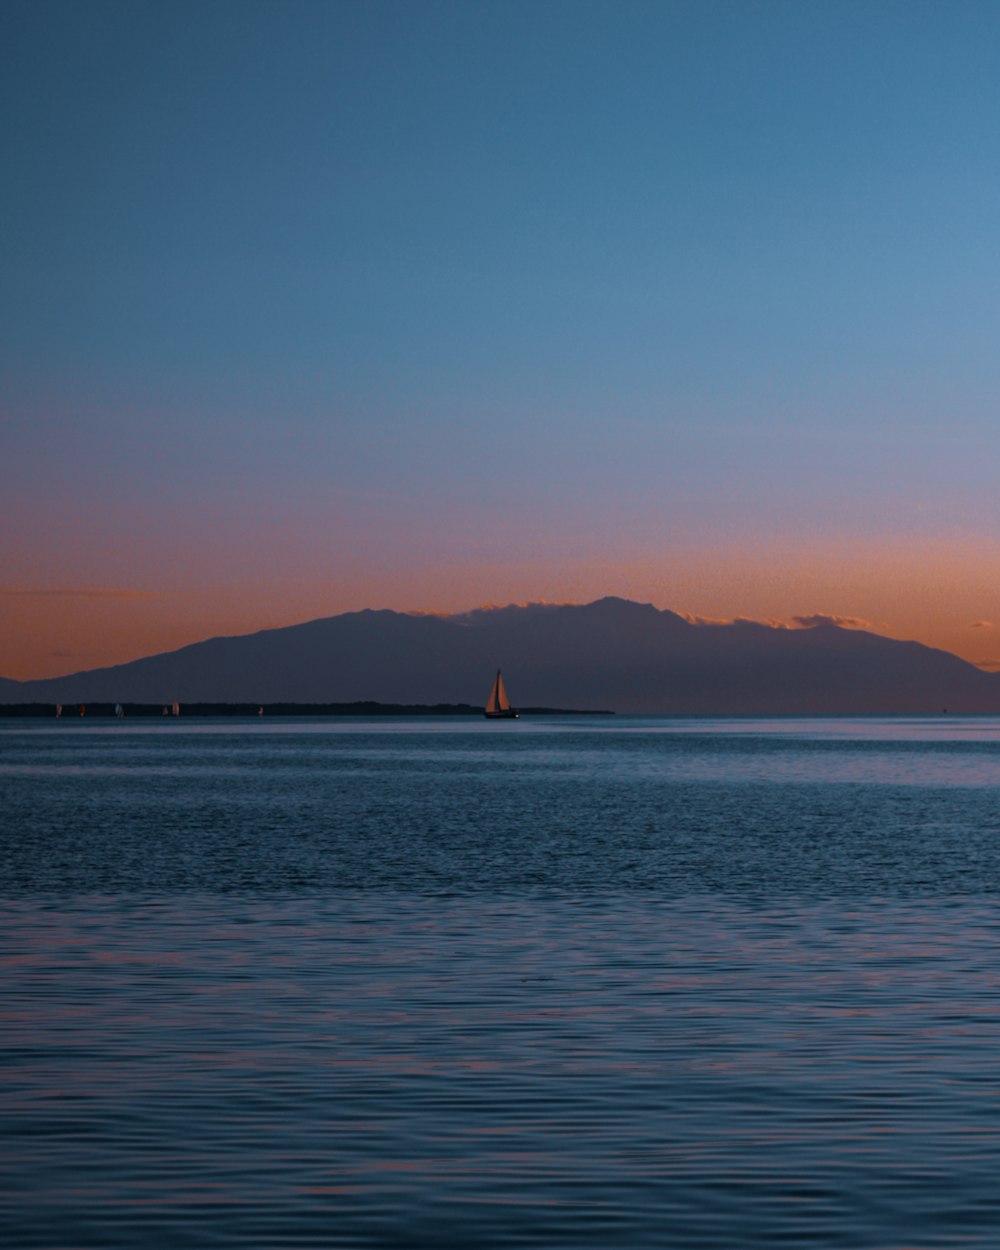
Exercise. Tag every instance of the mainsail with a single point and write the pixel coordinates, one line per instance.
(498, 701)
(498, 704)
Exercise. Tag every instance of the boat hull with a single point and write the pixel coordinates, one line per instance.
(500, 715)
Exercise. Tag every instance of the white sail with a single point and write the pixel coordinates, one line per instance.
(503, 703)
(497, 702)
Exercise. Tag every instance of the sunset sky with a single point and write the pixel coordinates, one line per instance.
(310, 307)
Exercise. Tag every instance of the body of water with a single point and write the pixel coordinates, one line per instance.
(574, 982)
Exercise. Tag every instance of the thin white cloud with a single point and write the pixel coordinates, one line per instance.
(804, 621)
(990, 666)
(771, 622)
(830, 618)
(693, 618)
(982, 625)
(484, 609)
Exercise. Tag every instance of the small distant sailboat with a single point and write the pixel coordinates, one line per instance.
(498, 705)
(119, 711)
(175, 709)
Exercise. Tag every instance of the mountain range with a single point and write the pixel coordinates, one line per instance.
(613, 653)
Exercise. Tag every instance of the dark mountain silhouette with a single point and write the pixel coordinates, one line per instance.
(613, 653)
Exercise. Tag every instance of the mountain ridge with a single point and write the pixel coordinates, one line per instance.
(614, 653)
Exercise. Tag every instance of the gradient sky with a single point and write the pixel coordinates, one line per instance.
(309, 307)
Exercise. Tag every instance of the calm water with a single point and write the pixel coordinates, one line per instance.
(578, 983)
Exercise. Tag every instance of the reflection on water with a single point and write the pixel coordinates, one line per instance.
(671, 806)
(399, 986)
(377, 1070)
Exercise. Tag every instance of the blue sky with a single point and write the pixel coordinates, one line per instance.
(316, 306)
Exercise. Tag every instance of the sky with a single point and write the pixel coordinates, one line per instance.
(312, 307)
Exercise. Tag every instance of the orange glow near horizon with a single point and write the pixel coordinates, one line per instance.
(941, 594)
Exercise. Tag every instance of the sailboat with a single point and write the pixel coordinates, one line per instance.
(498, 705)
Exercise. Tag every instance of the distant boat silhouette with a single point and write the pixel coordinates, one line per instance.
(498, 705)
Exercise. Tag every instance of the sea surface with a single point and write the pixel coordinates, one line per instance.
(575, 982)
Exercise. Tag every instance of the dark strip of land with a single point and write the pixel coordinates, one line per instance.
(72, 711)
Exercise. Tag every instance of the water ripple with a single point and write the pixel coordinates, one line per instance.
(710, 989)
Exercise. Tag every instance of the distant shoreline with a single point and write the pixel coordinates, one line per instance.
(102, 710)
